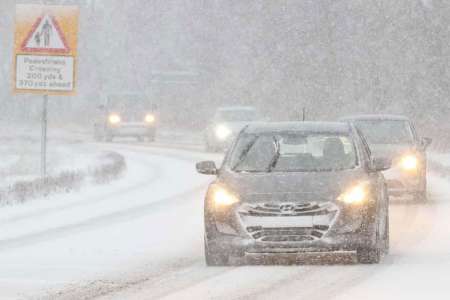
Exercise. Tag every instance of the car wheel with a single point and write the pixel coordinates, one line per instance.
(386, 235)
(370, 255)
(151, 138)
(213, 258)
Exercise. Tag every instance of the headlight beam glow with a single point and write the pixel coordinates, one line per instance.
(222, 132)
(223, 198)
(355, 195)
(114, 119)
(409, 162)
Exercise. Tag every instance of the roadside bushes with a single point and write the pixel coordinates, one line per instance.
(110, 167)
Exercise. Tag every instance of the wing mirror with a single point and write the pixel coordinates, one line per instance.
(426, 141)
(206, 167)
(381, 164)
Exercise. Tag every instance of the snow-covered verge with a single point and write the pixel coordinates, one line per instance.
(70, 163)
(70, 239)
(107, 167)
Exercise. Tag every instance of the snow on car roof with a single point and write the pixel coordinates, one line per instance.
(375, 117)
(335, 127)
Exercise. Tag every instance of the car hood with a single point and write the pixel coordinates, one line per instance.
(390, 151)
(292, 186)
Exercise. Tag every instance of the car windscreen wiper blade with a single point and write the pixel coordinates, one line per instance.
(244, 153)
(276, 156)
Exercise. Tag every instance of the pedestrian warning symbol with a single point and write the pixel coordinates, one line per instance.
(46, 35)
(45, 52)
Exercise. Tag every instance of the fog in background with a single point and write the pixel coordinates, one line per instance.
(333, 57)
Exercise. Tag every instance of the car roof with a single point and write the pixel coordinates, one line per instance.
(316, 127)
(234, 108)
(375, 117)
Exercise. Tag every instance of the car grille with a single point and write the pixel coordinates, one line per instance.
(287, 222)
(287, 234)
(282, 210)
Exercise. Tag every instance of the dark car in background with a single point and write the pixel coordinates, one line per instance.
(126, 115)
(290, 188)
(395, 137)
(226, 124)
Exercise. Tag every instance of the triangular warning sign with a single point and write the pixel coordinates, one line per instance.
(45, 36)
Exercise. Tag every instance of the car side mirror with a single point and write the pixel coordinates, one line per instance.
(206, 167)
(381, 164)
(426, 141)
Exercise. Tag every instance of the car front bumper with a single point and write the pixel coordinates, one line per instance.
(335, 229)
(131, 130)
(401, 182)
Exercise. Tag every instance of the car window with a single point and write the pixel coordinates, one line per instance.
(386, 131)
(292, 152)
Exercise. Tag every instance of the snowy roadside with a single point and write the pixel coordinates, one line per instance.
(70, 165)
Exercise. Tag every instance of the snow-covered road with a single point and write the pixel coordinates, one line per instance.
(142, 238)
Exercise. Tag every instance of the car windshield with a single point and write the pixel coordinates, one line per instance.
(236, 115)
(386, 131)
(293, 152)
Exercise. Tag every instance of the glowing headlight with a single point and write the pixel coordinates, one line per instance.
(114, 119)
(355, 195)
(149, 118)
(222, 197)
(222, 132)
(409, 162)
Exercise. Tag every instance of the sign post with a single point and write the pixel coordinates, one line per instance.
(44, 138)
(45, 54)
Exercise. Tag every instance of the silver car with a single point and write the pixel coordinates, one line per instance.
(290, 188)
(395, 137)
(226, 124)
(126, 115)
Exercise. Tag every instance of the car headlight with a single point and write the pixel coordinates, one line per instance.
(223, 198)
(355, 195)
(149, 118)
(409, 163)
(114, 119)
(222, 132)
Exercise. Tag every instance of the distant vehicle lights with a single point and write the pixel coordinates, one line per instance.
(114, 119)
(222, 132)
(149, 118)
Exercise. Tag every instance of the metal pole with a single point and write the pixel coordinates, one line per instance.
(44, 138)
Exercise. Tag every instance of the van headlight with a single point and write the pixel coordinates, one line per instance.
(409, 162)
(357, 194)
(222, 132)
(114, 119)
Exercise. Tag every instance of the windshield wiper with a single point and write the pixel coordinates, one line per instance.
(276, 156)
(244, 153)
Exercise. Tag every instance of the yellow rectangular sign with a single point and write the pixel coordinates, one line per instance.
(45, 49)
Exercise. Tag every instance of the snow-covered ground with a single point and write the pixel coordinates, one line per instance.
(142, 238)
(20, 152)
